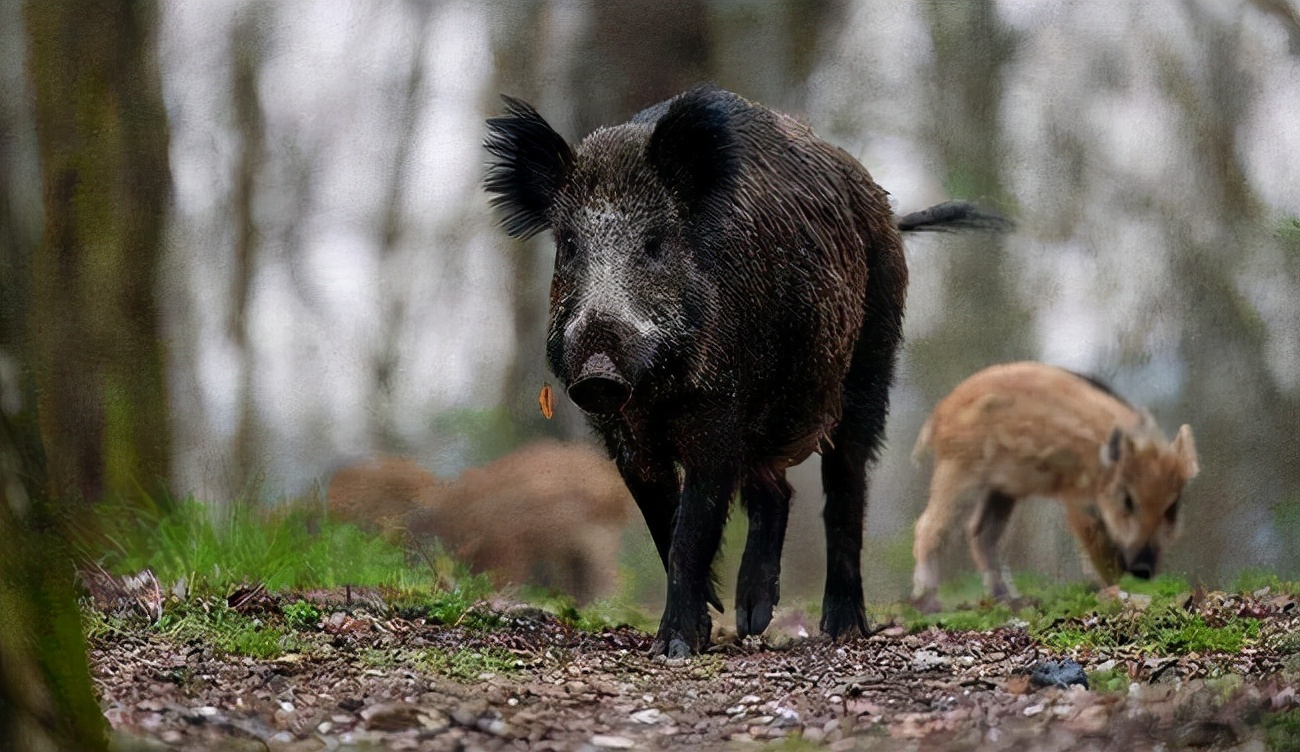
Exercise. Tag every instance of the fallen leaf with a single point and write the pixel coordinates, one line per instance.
(546, 401)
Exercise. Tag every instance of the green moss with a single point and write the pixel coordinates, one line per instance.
(468, 665)
(1160, 629)
(301, 615)
(1112, 680)
(1282, 731)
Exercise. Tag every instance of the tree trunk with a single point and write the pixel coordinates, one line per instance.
(93, 327)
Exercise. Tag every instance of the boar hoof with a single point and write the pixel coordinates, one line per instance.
(599, 388)
(753, 619)
(844, 620)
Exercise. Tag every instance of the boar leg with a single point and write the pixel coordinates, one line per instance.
(766, 496)
(985, 530)
(657, 494)
(947, 494)
(844, 478)
(697, 534)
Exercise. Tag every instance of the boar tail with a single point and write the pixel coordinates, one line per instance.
(954, 216)
(922, 443)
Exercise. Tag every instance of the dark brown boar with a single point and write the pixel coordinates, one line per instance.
(549, 514)
(727, 299)
(1022, 430)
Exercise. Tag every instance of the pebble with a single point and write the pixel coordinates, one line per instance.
(609, 741)
(649, 716)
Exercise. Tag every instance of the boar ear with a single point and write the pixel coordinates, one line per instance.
(693, 147)
(1185, 446)
(1113, 450)
(532, 161)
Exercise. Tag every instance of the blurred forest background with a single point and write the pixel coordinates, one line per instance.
(243, 242)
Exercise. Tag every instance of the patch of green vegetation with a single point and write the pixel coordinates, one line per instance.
(1163, 586)
(1071, 616)
(376, 658)
(95, 624)
(301, 615)
(213, 548)
(1111, 680)
(455, 606)
(792, 743)
(1282, 731)
(468, 665)
(226, 630)
(1251, 580)
(1163, 628)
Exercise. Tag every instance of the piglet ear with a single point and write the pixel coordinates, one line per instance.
(532, 161)
(694, 145)
(1185, 446)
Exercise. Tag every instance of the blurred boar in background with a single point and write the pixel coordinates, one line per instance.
(1027, 429)
(548, 514)
(727, 299)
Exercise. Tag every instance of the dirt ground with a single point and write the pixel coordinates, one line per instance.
(515, 677)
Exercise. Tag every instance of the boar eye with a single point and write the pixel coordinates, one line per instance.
(654, 245)
(1128, 502)
(564, 249)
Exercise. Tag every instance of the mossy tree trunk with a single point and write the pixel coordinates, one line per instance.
(84, 416)
(93, 323)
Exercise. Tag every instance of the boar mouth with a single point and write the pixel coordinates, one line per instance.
(599, 387)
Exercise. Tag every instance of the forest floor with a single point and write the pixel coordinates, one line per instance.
(368, 669)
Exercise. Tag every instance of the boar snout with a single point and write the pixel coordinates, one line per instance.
(599, 388)
(1143, 565)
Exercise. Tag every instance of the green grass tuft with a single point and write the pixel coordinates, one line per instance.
(214, 548)
(226, 630)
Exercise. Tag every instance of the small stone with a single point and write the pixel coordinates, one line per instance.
(785, 718)
(1053, 674)
(1034, 709)
(649, 716)
(609, 741)
(928, 660)
(493, 726)
(393, 716)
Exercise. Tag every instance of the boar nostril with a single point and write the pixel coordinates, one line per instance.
(599, 387)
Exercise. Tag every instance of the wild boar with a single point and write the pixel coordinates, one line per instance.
(1023, 430)
(727, 299)
(548, 514)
